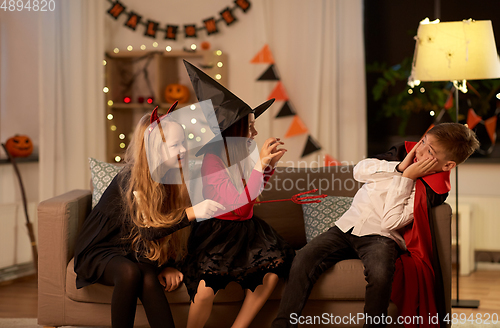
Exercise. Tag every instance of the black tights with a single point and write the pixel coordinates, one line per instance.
(131, 280)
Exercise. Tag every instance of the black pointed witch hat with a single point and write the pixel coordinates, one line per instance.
(228, 108)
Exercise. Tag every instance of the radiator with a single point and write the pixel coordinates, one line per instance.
(479, 227)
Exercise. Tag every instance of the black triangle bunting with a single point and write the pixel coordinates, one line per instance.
(269, 75)
(311, 146)
(286, 110)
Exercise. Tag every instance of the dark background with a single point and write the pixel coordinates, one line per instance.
(389, 28)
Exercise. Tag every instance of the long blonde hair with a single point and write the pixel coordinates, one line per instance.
(158, 206)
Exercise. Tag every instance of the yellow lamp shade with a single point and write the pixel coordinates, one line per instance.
(450, 51)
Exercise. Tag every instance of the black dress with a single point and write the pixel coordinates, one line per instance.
(222, 251)
(103, 233)
(230, 249)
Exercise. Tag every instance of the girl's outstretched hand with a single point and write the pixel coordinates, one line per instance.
(170, 278)
(204, 210)
(270, 154)
(281, 152)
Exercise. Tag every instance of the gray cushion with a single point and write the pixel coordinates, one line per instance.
(102, 174)
(319, 217)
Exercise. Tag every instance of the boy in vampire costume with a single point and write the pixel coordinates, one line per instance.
(387, 227)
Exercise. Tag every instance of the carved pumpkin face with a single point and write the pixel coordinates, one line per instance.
(19, 146)
(176, 92)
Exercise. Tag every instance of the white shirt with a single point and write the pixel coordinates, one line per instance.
(384, 203)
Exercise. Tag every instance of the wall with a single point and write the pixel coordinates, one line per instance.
(18, 115)
(478, 187)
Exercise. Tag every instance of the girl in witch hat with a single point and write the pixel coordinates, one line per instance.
(235, 245)
(140, 225)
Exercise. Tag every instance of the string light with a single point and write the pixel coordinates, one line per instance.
(498, 95)
(432, 113)
(422, 89)
(410, 91)
(127, 99)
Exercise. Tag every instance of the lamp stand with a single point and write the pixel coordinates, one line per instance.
(458, 303)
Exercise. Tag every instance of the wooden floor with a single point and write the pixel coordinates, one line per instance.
(18, 299)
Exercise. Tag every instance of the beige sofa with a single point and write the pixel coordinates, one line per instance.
(339, 291)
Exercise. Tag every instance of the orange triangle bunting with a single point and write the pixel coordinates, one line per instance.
(330, 161)
(264, 56)
(491, 126)
(297, 127)
(430, 127)
(278, 93)
(473, 118)
(449, 101)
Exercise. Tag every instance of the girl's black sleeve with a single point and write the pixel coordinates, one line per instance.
(158, 233)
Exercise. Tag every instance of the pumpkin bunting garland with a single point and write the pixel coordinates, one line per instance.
(190, 30)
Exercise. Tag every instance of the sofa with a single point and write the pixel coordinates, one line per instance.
(339, 291)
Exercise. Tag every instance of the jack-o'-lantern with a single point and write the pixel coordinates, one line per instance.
(19, 146)
(176, 92)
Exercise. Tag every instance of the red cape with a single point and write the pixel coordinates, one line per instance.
(413, 285)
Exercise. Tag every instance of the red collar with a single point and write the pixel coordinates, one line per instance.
(439, 182)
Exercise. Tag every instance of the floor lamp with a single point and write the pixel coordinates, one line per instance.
(455, 51)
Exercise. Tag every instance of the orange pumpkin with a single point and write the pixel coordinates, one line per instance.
(19, 146)
(176, 92)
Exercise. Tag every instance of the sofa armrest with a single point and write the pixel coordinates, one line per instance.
(442, 233)
(59, 219)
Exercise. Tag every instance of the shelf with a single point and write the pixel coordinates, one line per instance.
(145, 106)
(33, 158)
(146, 74)
(173, 53)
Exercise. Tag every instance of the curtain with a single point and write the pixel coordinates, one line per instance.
(71, 79)
(319, 54)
